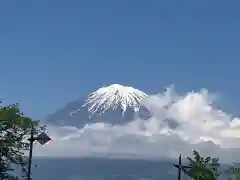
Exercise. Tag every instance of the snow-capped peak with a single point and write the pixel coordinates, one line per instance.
(114, 96)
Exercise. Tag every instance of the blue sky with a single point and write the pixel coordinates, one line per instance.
(55, 51)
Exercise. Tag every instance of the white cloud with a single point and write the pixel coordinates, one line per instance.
(200, 126)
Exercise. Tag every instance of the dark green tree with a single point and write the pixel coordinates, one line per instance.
(202, 168)
(15, 129)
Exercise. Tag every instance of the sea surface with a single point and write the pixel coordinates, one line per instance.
(115, 169)
(102, 169)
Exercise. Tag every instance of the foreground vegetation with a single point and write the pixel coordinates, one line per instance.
(15, 129)
(201, 168)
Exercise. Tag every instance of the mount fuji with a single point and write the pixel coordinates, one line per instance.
(113, 104)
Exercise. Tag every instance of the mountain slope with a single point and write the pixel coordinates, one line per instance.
(114, 104)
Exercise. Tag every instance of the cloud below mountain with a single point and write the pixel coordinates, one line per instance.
(179, 123)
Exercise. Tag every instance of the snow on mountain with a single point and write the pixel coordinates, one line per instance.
(114, 96)
(114, 104)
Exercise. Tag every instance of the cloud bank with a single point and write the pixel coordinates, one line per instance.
(179, 124)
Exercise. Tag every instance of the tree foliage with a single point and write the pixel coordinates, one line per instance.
(202, 168)
(15, 129)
